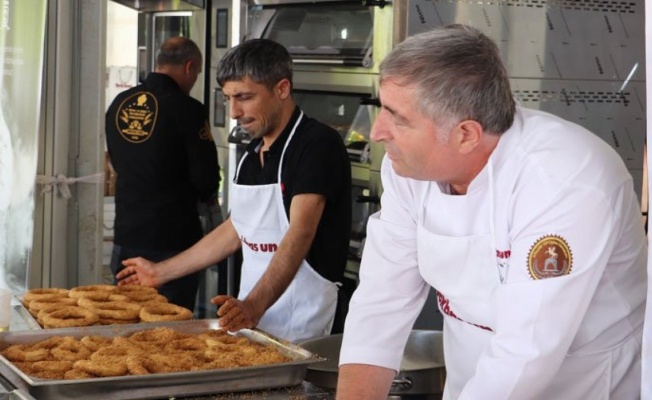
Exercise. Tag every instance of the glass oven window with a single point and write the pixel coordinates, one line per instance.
(344, 113)
(323, 30)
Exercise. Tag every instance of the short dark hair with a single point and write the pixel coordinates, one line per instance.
(458, 75)
(177, 51)
(262, 60)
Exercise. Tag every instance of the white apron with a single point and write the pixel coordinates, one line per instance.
(466, 272)
(463, 295)
(307, 308)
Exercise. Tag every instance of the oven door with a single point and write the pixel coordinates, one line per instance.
(339, 33)
(350, 114)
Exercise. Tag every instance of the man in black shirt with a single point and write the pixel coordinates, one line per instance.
(290, 206)
(313, 163)
(160, 145)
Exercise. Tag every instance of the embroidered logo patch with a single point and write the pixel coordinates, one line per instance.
(549, 257)
(136, 117)
(205, 132)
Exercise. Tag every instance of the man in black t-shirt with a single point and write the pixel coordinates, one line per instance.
(160, 145)
(315, 162)
(290, 206)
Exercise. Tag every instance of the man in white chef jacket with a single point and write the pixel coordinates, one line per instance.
(527, 225)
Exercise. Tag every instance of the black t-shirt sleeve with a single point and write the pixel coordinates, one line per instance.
(203, 168)
(318, 166)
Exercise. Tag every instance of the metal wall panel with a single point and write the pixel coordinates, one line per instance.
(582, 60)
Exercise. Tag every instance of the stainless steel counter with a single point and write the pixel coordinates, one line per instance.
(306, 391)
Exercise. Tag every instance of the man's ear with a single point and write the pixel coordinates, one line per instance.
(283, 88)
(468, 135)
(188, 66)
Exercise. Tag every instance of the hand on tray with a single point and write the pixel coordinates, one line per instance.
(138, 271)
(235, 314)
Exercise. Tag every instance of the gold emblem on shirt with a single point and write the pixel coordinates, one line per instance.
(136, 117)
(550, 256)
(205, 132)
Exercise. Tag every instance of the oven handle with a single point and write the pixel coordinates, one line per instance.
(238, 136)
(347, 62)
(374, 3)
(373, 199)
(370, 101)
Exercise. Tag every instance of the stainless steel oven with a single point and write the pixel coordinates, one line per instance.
(329, 35)
(319, 33)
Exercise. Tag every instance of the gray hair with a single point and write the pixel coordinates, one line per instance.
(177, 51)
(262, 60)
(458, 75)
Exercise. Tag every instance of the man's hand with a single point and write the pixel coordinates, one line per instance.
(235, 314)
(378, 382)
(138, 271)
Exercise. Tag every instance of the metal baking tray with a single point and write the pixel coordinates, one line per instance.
(21, 319)
(166, 385)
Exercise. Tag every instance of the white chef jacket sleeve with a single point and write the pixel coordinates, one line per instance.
(391, 292)
(539, 321)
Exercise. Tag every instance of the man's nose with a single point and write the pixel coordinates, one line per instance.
(379, 131)
(235, 111)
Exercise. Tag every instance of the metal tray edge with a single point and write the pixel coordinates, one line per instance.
(301, 357)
